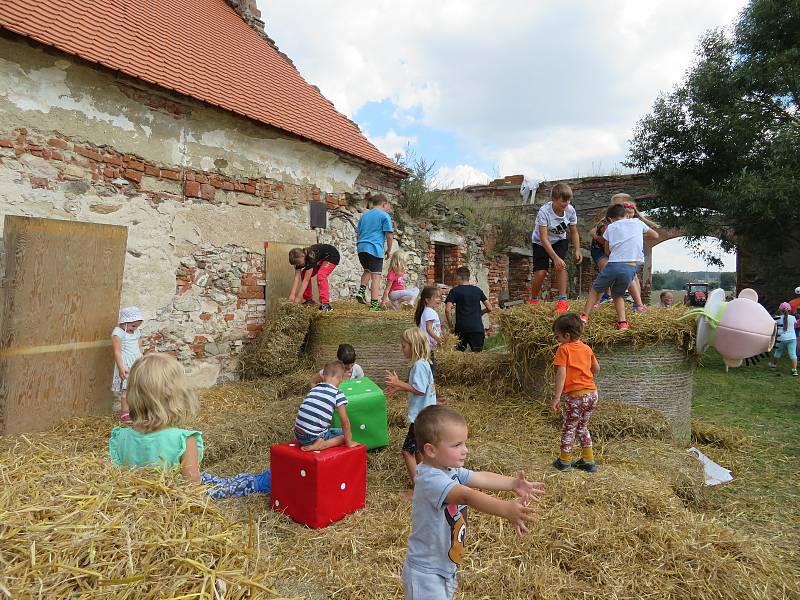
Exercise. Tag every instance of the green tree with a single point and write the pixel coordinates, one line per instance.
(722, 147)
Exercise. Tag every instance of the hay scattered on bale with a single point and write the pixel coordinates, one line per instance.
(720, 436)
(472, 368)
(277, 350)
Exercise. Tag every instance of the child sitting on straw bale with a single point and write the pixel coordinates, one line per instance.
(420, 387)
(317, 261)
(444, 489)
(160, 399)
(576, 366)
(396, 294)
(347, 355)
(467, 300)
(550, 244)
(624, 239)
(312, 427)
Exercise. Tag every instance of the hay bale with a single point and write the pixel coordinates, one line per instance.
(374, 335)
(472, 368)
(651, 365)
(730, 438)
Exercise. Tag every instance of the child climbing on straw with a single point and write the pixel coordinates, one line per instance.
(126, 341)
(312, 427)
(347, 355)
(786, 340)
(374, 229)
(443, 491)
(160, 401)
(624, 242)
(420, 387)
(396, 294)
(317, 261)
(575, 392)
(632, 212)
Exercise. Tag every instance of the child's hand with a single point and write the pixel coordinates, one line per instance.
(123, 374)
(527, 490)
(392, 380)
(390, 390)
(559, 263)
(556, 404)
(351, 444)
(578, 256)
(519, 515)
(291, 297)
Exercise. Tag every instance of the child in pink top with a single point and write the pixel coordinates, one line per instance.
(396, 294)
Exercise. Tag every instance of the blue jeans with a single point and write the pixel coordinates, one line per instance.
(306, 439)
(238, 485)
(617, 276)
(790, 346)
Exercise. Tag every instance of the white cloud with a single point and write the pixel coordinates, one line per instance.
(392, 143)
(553, 86)
(459, 176)
(674, 254)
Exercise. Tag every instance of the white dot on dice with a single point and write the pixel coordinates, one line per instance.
(302, 472)
(344, 485)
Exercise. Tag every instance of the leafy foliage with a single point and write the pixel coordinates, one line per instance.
(417, 197)
(675, 280)
(722, 147)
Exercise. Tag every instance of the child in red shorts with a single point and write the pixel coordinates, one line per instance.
(576, 366)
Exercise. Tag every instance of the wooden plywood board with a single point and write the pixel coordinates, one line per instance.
(60, 302)
(279, 273)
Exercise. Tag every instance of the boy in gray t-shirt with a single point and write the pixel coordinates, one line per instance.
(443, 491)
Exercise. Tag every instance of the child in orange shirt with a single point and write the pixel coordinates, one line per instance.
(576, 366)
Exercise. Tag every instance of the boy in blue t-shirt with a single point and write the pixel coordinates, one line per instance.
(373, 229)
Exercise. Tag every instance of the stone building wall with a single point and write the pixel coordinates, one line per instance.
(199, 189)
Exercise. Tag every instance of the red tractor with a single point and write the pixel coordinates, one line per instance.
(696, 293)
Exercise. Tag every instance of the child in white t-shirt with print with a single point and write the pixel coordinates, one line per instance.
(126, 341)
(443, 491)
(624, 240)
(553, 221)
(427, 316)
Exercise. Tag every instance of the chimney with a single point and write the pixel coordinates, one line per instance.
(248, 10)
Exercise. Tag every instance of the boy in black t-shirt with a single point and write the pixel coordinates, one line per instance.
(317, 261)
(468, 322)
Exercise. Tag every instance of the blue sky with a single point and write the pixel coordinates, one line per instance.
(549, 88)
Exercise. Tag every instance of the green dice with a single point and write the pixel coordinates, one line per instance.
(366, 409)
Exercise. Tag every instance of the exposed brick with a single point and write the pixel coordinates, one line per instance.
(216, 181)
(58, 143)
(191, 189)
(110, 173)
(250, 189)
(132, 175)
(253, 328)
(239, 187)
(199, 177)
(113, 159)
(251, 291)
(6, 144)
(227, 185)
(88, 153)
(248, 202)
(152, 170)
(330, 205)
(40, 182)
(200, 339)
(136, 165)
(250, 279)
(56, 155)
(205, 316)
(207, 191)
(170, 174)
(229, 317)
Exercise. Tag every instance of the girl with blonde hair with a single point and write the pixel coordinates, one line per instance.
(395, 293)
(160, 400)
(420, 388)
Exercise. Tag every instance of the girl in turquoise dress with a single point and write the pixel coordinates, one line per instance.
(160, 399)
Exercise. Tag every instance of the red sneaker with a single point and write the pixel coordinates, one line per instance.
(562, 306)
(584, 317)
(623, 325)
(533, 302)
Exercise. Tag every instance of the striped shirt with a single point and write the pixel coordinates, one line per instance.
(316, 411)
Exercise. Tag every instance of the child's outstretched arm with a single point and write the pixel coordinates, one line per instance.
(576, 242)
(348, 433)
(561, 377)
(386, 288)
(514, 511)
(116, 345)
(190, 462)
(303, 285)
(295, 284)
(527, 490)
(395, 384)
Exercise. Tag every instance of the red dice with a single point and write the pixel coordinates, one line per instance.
(318, 488)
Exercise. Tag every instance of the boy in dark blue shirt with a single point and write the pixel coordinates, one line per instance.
(468, 314)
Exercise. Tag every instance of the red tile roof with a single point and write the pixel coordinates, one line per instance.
(200, 48)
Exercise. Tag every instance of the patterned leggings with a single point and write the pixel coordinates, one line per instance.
(577, 410)
(236, 486)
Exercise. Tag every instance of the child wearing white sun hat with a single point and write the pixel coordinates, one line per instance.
(126, 340)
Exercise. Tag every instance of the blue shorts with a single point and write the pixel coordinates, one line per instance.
(617, 276)
(597, 252)
(306, 439)
(789, 345)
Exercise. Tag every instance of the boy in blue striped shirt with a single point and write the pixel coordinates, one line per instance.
(312, 428)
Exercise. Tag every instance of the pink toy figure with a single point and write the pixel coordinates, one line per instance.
(738, 329)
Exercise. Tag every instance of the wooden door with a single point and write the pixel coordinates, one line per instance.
(61, 294)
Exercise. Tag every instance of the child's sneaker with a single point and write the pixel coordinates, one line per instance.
(309, 303)
(773, 367)
(376, 306)
(533, 302)
(583, 465)
(584, 317)
(623, 326)
(562, 306)
(794, 372)
(325, 307)
(361, 296)
(562, 466)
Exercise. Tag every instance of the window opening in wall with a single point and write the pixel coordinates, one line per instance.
(439, 258)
